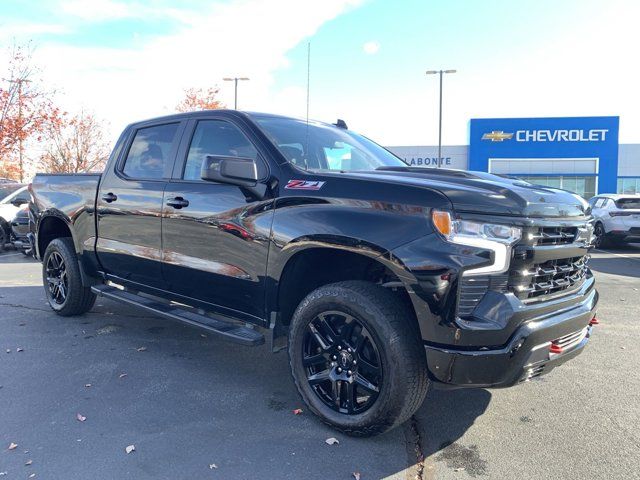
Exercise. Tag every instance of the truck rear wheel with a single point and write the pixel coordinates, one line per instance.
(62, 280)
(356, 357)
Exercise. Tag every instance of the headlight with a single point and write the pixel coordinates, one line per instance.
(495, 237)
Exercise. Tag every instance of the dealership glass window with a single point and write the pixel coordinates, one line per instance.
(629, 185)
(585, 186)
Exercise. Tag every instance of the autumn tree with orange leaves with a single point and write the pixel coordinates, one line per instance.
(25, 108)
(200, 99)
(74, 144)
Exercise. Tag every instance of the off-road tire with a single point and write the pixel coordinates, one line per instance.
(79, 299)
(393, 327)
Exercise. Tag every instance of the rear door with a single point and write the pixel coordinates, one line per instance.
(215, 238)
(129, 204)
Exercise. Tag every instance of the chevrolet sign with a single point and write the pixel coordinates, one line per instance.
(593, 135)
(497, 136)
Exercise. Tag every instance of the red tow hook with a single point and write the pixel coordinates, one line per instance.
(554, 348)
(594, 321)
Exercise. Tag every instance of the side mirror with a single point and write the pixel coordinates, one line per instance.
(239, 171)
(17, 202)
(232, 170)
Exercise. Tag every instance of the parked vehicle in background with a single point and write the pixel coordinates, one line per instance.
(21, 236)
(617, 219)
(9, 206)
(382, 278)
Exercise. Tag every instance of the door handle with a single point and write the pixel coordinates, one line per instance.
(178, 202)
(109, 197)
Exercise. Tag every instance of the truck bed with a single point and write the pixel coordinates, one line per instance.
(70, 197)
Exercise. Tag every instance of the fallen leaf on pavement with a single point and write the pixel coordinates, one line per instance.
(28, 462)
(203, 335)
(19, 349)
(459, 469)
(141, 349)
(356, 475)
(332, 441)
(87, 385)
(297, 411)
(122, 375)
(33, 475)
(2, 474)
(8, 350)
(80, 417)
(13, 446)
(212, 466)
(130, 448)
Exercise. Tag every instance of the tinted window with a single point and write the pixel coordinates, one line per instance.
(220, 138)
(628, 203)
(150, 152)
(8, 189)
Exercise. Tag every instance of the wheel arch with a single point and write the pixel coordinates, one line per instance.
(318, 263)
(51, 227)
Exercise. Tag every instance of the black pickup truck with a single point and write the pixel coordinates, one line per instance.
(379, 278)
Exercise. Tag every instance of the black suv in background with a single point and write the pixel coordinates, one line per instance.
(380, 277)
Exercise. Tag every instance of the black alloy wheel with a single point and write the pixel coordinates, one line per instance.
(57, 280)
(342, 362)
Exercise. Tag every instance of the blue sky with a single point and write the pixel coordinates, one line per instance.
(127, 60)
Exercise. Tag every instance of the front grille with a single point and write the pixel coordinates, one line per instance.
(554, 235)
(548, 262)
(550, 277)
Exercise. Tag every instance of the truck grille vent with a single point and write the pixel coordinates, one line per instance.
(472, 289)
(571, 340)
(549, 277)
(554, 235)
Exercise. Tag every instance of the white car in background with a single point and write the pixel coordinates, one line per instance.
(617, 219)
(9, 207)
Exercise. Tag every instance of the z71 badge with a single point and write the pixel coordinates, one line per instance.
(303, 185)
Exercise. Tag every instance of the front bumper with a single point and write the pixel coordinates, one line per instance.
(527, 353)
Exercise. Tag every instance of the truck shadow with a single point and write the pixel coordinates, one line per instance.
(203, 394)
(444, 418)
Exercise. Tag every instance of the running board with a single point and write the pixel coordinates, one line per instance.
(223, 328)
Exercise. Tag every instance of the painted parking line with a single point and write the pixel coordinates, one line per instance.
(3, 255)
(637, 259)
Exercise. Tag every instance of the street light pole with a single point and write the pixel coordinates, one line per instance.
(440, 72)
(235, 94)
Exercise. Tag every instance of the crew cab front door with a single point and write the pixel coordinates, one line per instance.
(215, 239)
(129, 205)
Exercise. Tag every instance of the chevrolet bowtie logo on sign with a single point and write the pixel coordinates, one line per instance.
(497, 136)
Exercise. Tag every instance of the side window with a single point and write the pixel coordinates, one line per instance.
(599, 203)
(220, 138)
(150, 152)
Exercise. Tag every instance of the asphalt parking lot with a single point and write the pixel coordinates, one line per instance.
(198, 408)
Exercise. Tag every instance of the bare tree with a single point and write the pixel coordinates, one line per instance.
(75, 144)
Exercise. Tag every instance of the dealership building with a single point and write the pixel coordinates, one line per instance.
(581, 154)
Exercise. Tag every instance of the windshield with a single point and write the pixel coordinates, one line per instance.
(316, 146)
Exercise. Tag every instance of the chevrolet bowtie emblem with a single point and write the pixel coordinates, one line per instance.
(497, 136)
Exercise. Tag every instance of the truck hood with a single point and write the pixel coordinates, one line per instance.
(484, 193)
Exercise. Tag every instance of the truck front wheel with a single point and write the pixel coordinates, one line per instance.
(62, 281)
(356, 357)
